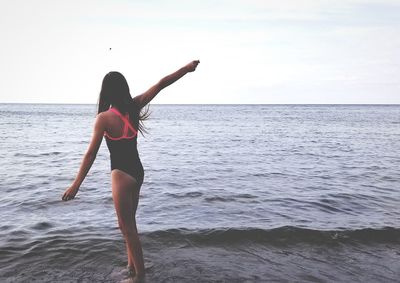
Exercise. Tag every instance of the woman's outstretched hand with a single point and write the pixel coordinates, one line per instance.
(70, 193)
(192, 65)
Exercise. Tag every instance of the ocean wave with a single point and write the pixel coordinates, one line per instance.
(21, 242)
(280, 235)
(40, 154)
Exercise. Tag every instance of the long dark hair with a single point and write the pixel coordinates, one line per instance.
(115, 92)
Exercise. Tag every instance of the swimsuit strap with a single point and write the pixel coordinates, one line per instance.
(127, 123)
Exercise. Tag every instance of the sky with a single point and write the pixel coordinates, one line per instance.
(251, 51)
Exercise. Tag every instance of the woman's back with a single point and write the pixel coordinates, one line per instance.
(117, 124)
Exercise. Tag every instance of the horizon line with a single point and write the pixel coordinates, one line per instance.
(50, 103)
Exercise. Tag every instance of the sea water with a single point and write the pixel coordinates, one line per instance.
(232, 193)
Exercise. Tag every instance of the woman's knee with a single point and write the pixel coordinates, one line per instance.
(128, 229)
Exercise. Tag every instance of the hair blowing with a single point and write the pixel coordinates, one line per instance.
(115, 92)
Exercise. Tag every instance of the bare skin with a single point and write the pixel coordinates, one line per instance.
(125, 194)
(125, 189)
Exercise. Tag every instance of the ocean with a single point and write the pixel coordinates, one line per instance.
(232, 193)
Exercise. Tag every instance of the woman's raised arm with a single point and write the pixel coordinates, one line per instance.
(147, 96)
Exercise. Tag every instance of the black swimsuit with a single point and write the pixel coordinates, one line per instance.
(123, 150)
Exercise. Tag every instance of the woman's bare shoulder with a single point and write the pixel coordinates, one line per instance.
(104, 117)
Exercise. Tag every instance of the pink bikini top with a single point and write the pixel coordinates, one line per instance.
(127, 125)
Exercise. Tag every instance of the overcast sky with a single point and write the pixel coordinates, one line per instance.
(300, 51)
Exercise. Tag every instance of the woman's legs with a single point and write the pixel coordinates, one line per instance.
(125, 193)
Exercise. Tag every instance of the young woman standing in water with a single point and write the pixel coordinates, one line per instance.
(119, 119)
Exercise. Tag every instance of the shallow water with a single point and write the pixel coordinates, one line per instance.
(231, 193)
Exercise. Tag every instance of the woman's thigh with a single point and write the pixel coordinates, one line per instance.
(125, 193)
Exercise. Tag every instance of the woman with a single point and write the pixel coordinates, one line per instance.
(120, 125)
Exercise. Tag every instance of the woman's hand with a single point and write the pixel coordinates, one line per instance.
(70, 193)
(192, 65)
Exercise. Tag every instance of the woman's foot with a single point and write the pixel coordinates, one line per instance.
(131, 271)
(123, 275)
(139, 278)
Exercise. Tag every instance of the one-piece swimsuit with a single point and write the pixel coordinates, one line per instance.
(123, 150)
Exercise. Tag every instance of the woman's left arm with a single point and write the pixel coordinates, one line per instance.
(88, 159)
